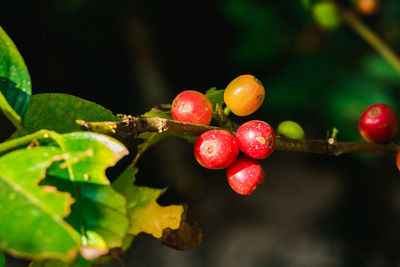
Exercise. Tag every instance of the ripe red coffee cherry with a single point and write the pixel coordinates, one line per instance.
(216, 149)
(378, 123)
(245, 175)
(192, 107)
(256, 139)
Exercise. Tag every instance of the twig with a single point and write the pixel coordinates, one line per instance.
(370, 37)
(131, 126)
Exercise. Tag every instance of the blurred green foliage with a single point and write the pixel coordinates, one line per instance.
(329, 75)
(326, 15)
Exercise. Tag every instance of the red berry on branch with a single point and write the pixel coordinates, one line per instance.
(216, 149)
(379, 123)
(245, 175)
(256, 139)
(192, 107)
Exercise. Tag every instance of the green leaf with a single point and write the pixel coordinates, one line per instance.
(100, 152)
(15, 83)
(216, 97)
(155, 112)
(99, 212)
(22, 142)
(2, 260)
(9, 112)
(33, 224)
(145, 214)
(48, 263)
(59, 112)
(166, 106)
(78, 262)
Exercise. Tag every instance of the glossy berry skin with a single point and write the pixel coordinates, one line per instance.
(290, 129)
(379, 123)
(192, 107)
(216, 149)
(244, 95)
(256, 139)
(245, 175)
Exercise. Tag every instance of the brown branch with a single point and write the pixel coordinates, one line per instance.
(333, 147)
(132, 126)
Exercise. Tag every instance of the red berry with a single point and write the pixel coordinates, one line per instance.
(192, 107)
(256, 139)
(398, 161)
(245, 175)
(216, 149)
(378, 123)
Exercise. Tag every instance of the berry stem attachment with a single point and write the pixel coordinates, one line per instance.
(227, 111)
(335, 132)
(131, 126)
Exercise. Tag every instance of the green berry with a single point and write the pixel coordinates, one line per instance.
(326, 15)
(290, 129)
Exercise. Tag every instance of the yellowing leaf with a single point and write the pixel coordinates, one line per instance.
(144, 213)
(186, 237)
(153, 218)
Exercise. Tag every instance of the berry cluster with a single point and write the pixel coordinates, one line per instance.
(219, 149)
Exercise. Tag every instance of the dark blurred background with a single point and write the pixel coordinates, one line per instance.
(313, 210)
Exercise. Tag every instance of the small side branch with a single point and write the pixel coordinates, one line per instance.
(370, 37)
(132, 126)
(156, 124)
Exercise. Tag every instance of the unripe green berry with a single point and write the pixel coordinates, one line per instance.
(326, 15)
(290, 129)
